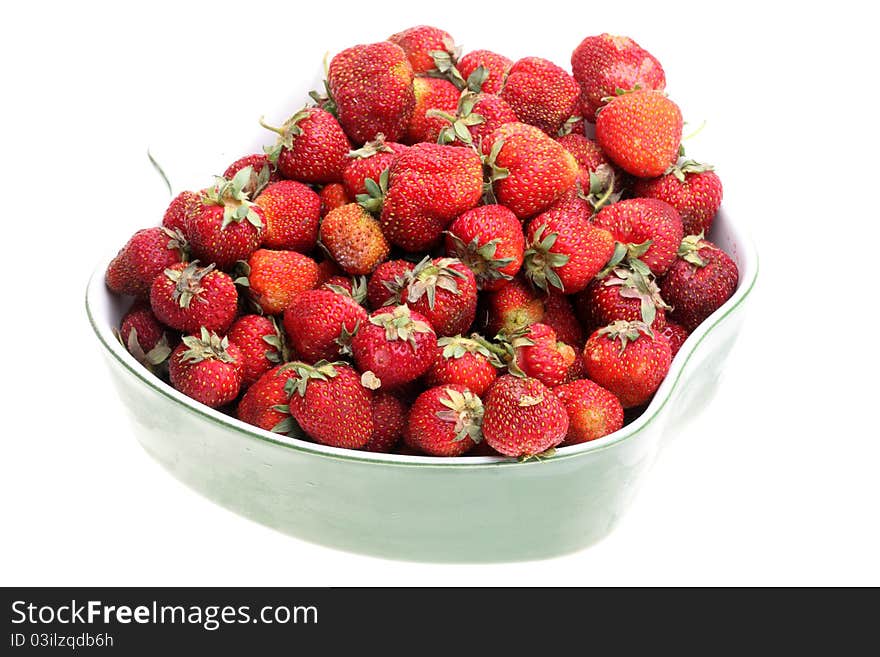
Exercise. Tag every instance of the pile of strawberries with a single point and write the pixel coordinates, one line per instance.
(434, 257)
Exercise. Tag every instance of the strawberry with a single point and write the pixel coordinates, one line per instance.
(261, 402)
(528, 170)
(628, 359)
(693, 189)
(489, 240)
(445, 421)
(291, 211)
(207, 368)
(181, 208)
(427, 48)
(522, 417)
(593, 412)
(428, 186)
(463, 361)
(354, 239)
(432, 95)
(701, 279)
(640, 132)
(329, 403)
(321, 323)
(389, 423)
(276, 277)
(328, 269)
(333, 196)
(144, 256)
(565, 250)
(144, 337)
(574, 125)
(513, 307)
(625, 293)
(541, 93)
(387, 282)
(396, 345)
(311, 147)
(445, 292)
(650, 229)
(187, 297)
(369, 161)
(605, 63)
(539, 355)
(496, 65)
(227, 227)
(601, 181)
(372, 88)
(676, 334)
(261, 345)
(560, 316)
(263, 172)
(474, 116)
(354, 288)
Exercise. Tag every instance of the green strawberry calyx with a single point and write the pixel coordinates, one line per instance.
(684, 166)
(149, 359)
(602, 184)
(480, 259)
(689, 249)
(177, 242)
(492, 173)
(626, 332)
(445, 63)
(358, 289)
(304, 373)
(371, 148)
(188, 282)
(278, 351)
(569, 125)
(463, 119)
(465, 411)
(457, 346)
(540, 262)
(375, 196)
(232, 197)
(430, 275)
(287, 133)
(206, 346)
(400, 325)
(635, 283)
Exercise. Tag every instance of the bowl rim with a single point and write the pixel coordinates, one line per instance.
(748, 276)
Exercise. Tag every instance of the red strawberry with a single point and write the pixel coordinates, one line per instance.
(428, 186)
(181, 208)
(640, 132)
(227, 227)
(463, 361)
(189, 297)
(496, 65)
(539, 355)
(396, 345)
(327, 269)
(522, 417)
(354, 239)
(541, 93)
(261, 345)
(565, 250)
(432, 94)
(321, 323)
(625, 293)
(676, 334)
(144, 337)
(206, 368)
(389, 423)
(276, 277)
(369, 162)
(529, 171)
(445, 292)
(372, 88)
(651, 224)
(445, 421)
(605, 63)
(329, 403)
(333, 196)
(560, 316)
(489, 240)
(292, 212)
(693, 189)
(387, 282)
(597, 177)
(263, 172)
(593, 412)
(513, 307)
(261, 403)
(629, 360)
(311, 147)
(424, 45)
(701, 279)
(475, 116)
(144, 256)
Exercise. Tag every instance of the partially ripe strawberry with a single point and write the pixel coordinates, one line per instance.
(188, 297)
(434, 94)
(207, 368)
(640, 132)
(463, 361)
(676, 334)
(522, 417)
(389, 423)
(292, 212)
(693, 189)
(648, 223)
(698, 283)
(489, 240)
(144, 256)
(329, 403)
(263, 172)
(369, 161)
(424, 45)
(496, 65)
(354, 239)
(321, 323)
(396, 345)
(372, 88)
(311, 147)
(387, 282)
(333, 196)
(445, 421)
(261, 344)
(514, 307)
(144, 336)
(605, 63)
(181, 208)
(593, 412)
(560, 316)
(261, 403)
(275, 278)
(445, 292)
(625, 293)
(628, 359)
(538, 354)
(541, 93)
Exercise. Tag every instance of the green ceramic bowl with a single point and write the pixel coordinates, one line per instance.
(473, 509)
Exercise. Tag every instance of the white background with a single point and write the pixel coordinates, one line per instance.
(776, 483)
